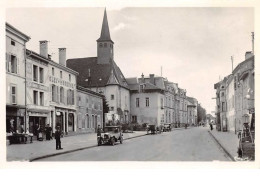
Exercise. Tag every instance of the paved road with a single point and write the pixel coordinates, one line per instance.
(193, 144)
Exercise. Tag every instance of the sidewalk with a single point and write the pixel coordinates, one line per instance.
(40, 149)
(228, 141)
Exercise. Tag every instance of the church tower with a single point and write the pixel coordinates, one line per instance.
(105, 46)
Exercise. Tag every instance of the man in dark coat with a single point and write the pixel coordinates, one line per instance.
(57, 137)
(48, 131)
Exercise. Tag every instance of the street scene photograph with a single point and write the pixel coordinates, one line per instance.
(130, 84)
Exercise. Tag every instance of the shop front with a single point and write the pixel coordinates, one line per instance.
(37, 119)
(15, 119)
(65, 119)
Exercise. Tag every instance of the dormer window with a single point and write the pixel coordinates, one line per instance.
(142, 88)
(100, 45)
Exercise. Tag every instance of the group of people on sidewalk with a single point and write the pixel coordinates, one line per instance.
(40, 130)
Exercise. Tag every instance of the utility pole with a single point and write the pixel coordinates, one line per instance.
(253, 37)
(232, 63)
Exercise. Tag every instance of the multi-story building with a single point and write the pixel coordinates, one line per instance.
(192, 115)
(244, 91)
(169, 102)
(102, 75)
(147, 100)
(15, 79)
(37, 91)
(63, 91)
(183, 107)
(230, 99)
(89, 110)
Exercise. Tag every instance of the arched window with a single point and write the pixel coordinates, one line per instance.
(83, 122)
(93, 121)
(87, 120)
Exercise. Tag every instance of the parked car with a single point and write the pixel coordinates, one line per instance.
(151, 129)
(110, 135)
(246, 147)
(167, 127)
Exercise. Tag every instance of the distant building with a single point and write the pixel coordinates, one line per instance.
(183, 107)
(192, 107)
(169, 102)
(230, 98)
(102, 75)
(147, 100)
(15, 79)
(89, 110)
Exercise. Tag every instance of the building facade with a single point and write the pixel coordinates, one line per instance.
(15, 79)
(37, 91)
(192, 115)
(147, 100)
(230, 99)
(89, 110)
(244, 86)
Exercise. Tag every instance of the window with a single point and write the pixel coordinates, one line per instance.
(222, 94)
(53, 92)
(69, 77)
(112, 97)
(105, 45)
(35, 97)
(83, 123)
(41, 98)
(100, 45)
(134, 119)
(161, 102)
(13, 94)
(60, 74)
(112, 108)
(137, 102)
(35, 73)
(223, 106)
(13, 42)
(41, 74)
(88, 122)
(13, 64)
(52, 71)
(61, 94)
(147, 102)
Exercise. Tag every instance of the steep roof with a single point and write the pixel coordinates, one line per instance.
(105, 34)
(92, 74)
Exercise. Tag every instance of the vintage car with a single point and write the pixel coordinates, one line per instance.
(246, 148)
(110, 135)
(151, 129)
(167, 127)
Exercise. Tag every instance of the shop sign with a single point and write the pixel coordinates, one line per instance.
(38, 86)
(61, 82)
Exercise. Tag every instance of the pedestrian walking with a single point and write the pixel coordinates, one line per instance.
(37, 131)
(99, 131)
(211, 126)
(57, 137)
(48, 131)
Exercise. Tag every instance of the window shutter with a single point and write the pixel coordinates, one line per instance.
(17, 65)
(6, 62)
(73, 97)
(58, 94)
(9, 63)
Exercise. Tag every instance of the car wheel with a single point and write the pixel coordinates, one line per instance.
(112, 141)
(121, 140)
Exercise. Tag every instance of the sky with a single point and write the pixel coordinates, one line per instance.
(192, 45)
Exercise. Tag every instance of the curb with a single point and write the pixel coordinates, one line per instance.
(222, 147)
(74, 150)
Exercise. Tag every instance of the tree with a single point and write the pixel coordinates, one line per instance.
(105, 108)
(201, 114)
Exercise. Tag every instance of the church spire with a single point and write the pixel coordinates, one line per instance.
(105, 34)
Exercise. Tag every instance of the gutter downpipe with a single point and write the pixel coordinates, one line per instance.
(26, 114)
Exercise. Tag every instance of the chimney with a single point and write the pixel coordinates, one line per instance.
(62, 56)
(44, 48)
(152, 79)
(248, 55)
(142, 81)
